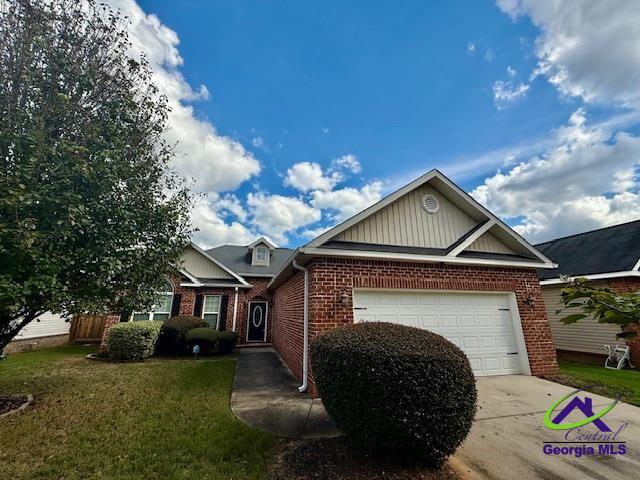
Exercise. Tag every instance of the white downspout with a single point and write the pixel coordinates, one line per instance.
(305, 322)
(235, 309)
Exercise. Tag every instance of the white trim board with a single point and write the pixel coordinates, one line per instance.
(219, 264)
(334, 252)
(637, 266)
(595, 276)
(472, 238)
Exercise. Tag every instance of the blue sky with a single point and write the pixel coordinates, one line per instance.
(520, 103)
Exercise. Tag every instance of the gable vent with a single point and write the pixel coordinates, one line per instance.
(430, 203)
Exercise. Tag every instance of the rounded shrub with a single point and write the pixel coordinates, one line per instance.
(132, 340)
(227, 342)
(400, 391)
(172, 339)
(206, 337)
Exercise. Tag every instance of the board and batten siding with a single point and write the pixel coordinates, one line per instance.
(587, 335)
(489, 243)
(200, 266)
(405, 223)
(46, 325)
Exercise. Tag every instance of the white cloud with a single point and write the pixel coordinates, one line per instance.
(471, 48)
(511, 72)
(214, 231)
(216, 162)
(505, 92)
(257, 142)
(306, 176)
(588, 49)
(586, 180)
(348, 162)
(277, 215)
(348, 201)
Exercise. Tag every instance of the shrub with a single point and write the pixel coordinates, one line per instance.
(207, 338)
(132, 340)
(227, 342)
(172, 339)
(399, 391)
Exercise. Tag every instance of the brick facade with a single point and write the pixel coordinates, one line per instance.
(245, 295)
(331, 278)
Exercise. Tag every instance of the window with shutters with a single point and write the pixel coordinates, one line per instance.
(211, 310)
(161, 309)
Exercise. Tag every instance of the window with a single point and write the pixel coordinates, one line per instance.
(261, 255)
(211, 309)
(161, 310)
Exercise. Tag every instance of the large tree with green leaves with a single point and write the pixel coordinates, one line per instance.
(91, 214)
(603, 304)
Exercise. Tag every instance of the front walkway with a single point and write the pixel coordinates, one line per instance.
(265, 396)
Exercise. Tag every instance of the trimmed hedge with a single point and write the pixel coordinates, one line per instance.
(402, 392)
(132, 340)
(172, 339)
(207, 338)
(227, 342)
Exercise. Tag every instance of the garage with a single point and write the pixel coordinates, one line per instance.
(486, 326)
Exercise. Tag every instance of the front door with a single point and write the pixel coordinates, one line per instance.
(257, 322)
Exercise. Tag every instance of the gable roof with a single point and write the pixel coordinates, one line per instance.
(239, 259)
(262, 240)
(603, 251)
(487, 222)
(235, 280)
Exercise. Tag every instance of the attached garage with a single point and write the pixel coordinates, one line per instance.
(486, 326)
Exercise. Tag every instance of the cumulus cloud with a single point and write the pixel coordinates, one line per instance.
(277, 215)
(587, 180)
(346, 202)
(306, 176)
(588, 49)
(347, 162)
(213, 230)
(506, 91)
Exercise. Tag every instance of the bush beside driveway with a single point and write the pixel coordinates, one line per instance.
(157, 419)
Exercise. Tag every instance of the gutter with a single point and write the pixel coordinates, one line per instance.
(235, 308)
(595, 276)
(305, 321)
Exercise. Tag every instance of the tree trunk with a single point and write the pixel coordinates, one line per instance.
(10, 326)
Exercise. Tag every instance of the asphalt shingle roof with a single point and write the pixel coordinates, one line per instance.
(611, 249)
(238, 259)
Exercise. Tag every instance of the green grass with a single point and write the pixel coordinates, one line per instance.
(603, 381)
(160, 418)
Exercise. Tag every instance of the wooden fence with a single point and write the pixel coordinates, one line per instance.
(86, 328)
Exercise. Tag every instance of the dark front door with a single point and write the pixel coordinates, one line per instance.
(257, 329)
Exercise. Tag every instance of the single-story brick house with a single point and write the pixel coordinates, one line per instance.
(607, 258)
(428, 256)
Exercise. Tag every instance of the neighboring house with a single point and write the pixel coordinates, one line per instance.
(608, 257)
(48, 330)
(427, 256)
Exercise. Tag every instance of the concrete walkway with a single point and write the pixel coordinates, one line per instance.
(265, 396)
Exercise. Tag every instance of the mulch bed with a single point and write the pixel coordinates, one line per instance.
(11, 402)
(334, 459)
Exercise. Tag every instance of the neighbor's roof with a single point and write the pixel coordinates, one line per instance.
(607, 250)
(238, 259)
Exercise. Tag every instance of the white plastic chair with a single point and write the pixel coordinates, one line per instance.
(618, 356)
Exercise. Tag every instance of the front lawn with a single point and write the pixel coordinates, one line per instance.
(155, 419)
(597, 379)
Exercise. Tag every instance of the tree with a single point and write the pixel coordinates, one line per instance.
(602, 304)
(91, 214)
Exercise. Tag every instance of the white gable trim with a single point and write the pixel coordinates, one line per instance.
(262, 240)
(219, 264)
(472, 238)
(193, 279)
(326, 236)
(595, 276)
(338, 229)
(334, 252)
(637, 267)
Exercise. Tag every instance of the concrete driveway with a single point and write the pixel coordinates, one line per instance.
(507, 439)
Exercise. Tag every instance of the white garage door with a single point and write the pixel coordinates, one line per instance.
(480, 324)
